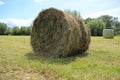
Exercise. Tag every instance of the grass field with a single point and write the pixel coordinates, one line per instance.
(17, 61)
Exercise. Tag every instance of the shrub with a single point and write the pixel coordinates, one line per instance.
(96, 26)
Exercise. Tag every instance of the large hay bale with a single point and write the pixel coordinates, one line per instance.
(59, 34)
(108, 33)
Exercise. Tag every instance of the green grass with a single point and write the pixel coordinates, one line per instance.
(17, 61)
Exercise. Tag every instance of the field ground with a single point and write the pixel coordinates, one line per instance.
(17, 61)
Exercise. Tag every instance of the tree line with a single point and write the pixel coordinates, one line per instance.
(96, 25)
(16, 30)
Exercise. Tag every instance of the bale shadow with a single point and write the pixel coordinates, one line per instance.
(51, 60)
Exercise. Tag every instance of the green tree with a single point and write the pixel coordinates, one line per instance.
(108, 20)
(29, 29)
(87, 20)
(74, 13)
(96, 26)
(16, 30)
(117, 27)
(8, 31)
(23, 30)
(3, 28)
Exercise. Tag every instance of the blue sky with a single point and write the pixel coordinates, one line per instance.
(23, 12)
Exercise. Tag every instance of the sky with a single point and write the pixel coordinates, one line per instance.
(23, 12)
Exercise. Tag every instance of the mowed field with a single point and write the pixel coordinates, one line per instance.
(18, 62)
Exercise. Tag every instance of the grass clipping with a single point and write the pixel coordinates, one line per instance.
(59, 34)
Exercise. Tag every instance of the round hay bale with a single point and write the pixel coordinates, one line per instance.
(108, 33)
(59, 34)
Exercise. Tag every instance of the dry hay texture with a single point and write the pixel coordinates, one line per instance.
(59, 34)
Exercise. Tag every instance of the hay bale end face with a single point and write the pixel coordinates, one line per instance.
(108, 33)
(59, 34)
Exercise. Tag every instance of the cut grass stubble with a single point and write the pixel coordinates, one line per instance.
(17, 61)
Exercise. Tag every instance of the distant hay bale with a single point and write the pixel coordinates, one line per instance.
(59, 34)
(108, 33)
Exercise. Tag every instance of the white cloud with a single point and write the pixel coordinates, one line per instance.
(39, 1)
(1, 3)
(112, 12)
(17, 22)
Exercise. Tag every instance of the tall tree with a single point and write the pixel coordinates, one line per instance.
(74, 13)
(16, 30)
(87, 20)
(117, 27)
(108, 20)
(23, 30)
(96, 26)
(29, 29)
(8, 31)
(3, 28)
